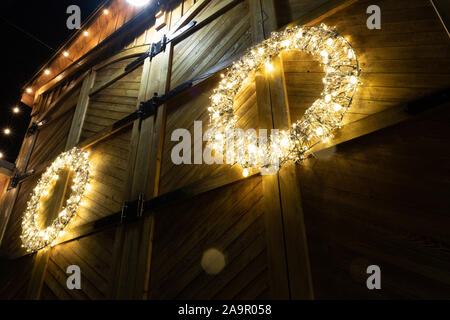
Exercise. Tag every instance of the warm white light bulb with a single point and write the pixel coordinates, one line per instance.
(138, 3)
(245, 172)
(16, 110)
(337, 107)
(86, 33)
(1, 155)
(29, 90)
(269, 66)
(7, 131)
(319, 131)
(47, 72)
(65, 54)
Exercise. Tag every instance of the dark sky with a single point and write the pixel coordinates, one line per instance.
(22, 55)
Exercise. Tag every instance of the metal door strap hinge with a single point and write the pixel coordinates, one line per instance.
(132, 210)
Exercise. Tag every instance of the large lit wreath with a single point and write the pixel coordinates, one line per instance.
(34, 238)
(341, 82)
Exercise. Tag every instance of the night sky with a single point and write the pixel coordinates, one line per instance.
(23, 56)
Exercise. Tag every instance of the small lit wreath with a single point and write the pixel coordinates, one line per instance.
(341, 82)
(33, 238)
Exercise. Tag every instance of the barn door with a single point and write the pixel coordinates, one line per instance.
(232, 238)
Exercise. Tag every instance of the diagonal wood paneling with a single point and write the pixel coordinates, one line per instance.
(15, 276)
(381, 199)
(114, 102)
(219, 40)
(109, 160)
(12, 244)
(181, 113)
(93, 254)
(229, 220)
(405, 60)
(51, 140)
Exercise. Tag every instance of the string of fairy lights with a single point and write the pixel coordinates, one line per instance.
(325, 115)
(33, 236)
(7, 131)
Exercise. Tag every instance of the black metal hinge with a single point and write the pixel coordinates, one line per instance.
(17, 178)
(150, 107)
(35, 126)
(132, 210)
(160, 46)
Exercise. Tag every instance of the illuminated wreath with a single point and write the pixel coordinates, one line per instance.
(33, 238)
(341, 82)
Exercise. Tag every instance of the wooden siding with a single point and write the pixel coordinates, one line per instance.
(381, 199)
(229, 220)
(405, 60)
(99, 30)
(11, 245)
(181, 113)
(51, 140)
(109, 160)
(221, 39)
(365, 201)
(15, 276)
(45, 101)
(93, 255)
(115, 101)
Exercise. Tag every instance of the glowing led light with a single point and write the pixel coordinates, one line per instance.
(340, 85)
(33, 238)
(86, 33)
(65, 54)
(245, 172)
(138, 3)
(29, 90)
(319, 131)
(337, 107)
(16, 110)
(7, 131)
(106, 12)
(1, 155)
(269, 66)
(47, 72)
(286, 43)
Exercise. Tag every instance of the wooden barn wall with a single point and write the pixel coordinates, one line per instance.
(405, 60)
(11, 245)
(109, 160)
(51, 140)
(15, 276)
(381, 200)
(93, 255)
(396, 68)
(120, 12)
(115, 101)
(221, 39)
(212, 246)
